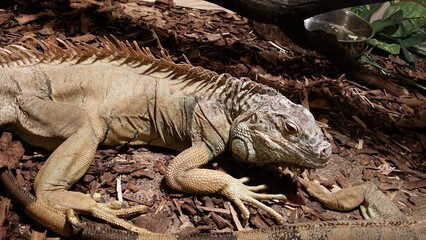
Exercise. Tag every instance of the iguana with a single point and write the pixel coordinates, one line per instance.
(70, 98)
(388, 223)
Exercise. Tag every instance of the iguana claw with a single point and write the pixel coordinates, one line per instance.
(124, 212)
(237, 192)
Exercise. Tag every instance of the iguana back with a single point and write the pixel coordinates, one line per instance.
(143, 100)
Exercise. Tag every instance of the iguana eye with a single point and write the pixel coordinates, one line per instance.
(254, 119)
(291, 128)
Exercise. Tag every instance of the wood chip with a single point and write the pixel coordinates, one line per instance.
(213, 209)
(234, 216)
(367, 151)
(259, 222)
(26, 18)
(220, 222)
(119, 190)
(360, 122)
(188, 208)
(416, 184)
(309, 210)
(343, 182)
(132, 187)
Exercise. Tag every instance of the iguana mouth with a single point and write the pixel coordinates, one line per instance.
(294, 168)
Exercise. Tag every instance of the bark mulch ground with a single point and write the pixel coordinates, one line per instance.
(376, 137)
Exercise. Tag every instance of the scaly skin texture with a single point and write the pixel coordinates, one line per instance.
(70, 99)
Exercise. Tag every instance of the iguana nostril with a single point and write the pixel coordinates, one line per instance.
(326, 151)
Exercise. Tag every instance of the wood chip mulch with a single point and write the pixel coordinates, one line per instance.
(376, 137)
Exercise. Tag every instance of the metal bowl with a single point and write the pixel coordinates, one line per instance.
(350, 29)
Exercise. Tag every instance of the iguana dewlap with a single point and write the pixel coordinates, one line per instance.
(70, 99)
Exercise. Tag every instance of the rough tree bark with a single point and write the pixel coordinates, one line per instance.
(288, 15)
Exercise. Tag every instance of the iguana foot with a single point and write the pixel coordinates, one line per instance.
(73, 219)
(237, 192)
(85, 204)
(112, 216)
(183, 175)
(373, 202)
(343, 200)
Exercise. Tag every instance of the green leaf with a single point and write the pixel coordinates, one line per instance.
(419, 1)
(414, 17)
(392, 48)
(414, 39)
(419, 49)
(362, 11)
(366, 11)
(392, 21)
(409, 57)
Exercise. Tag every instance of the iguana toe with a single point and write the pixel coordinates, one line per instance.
(74, 221)
(244, 179)
(237, 192)
(115, 209)
(111, 216)
(253, 188)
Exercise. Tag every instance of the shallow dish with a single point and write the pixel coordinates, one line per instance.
(350, 29)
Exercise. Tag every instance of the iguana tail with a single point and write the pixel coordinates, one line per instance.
(49, 217)
(54, 219)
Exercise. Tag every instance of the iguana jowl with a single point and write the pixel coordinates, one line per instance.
(70, 99)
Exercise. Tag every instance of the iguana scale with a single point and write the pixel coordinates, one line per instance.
(72, 98)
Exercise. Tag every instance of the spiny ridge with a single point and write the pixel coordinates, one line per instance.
(114, 50)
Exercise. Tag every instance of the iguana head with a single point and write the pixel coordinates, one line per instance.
(279, 133)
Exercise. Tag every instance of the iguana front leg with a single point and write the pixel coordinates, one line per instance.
(183, 174)
(82, 132)
(373, 202)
